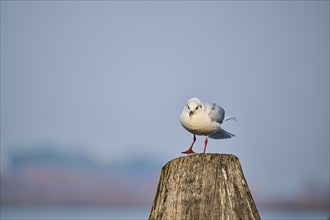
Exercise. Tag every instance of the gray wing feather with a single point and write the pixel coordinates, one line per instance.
(221, 134)
(216, 113)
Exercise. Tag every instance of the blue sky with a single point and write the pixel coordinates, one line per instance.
(112, 78)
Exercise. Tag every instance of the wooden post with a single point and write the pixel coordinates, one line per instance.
(203, 186)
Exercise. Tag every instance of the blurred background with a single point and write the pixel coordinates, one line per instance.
(91, 94)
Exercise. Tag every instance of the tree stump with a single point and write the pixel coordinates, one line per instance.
(203, 186)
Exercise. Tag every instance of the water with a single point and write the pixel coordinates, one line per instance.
(38, 213)
(97, 213)
(293, 215)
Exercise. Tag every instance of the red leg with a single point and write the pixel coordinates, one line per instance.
(205, 143)
(190, 150)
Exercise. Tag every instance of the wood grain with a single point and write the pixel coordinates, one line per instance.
(203, 186)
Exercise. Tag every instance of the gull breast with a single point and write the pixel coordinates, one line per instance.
(199, 124)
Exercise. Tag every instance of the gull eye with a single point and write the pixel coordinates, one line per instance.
(197, 107)
(188, 107)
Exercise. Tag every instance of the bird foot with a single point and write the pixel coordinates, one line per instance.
(189, 151)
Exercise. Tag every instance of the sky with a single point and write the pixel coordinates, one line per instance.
(110, 79)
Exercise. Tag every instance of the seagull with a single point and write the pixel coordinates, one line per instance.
(204, 119)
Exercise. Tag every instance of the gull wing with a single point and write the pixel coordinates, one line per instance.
(221, 134)
(216, 113)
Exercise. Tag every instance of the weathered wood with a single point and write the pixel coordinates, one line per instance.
(203, 186)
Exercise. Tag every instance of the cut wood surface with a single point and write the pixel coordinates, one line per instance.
(203, 186)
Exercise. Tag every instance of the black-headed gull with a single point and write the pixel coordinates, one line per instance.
(204, 119)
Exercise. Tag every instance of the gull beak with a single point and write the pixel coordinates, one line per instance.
(190, 113)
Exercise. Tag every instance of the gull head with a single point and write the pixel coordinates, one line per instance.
(193, 106)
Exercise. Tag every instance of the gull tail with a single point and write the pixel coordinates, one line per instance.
(221, 134)
(229, 118)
